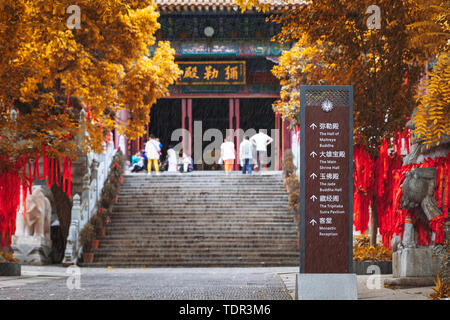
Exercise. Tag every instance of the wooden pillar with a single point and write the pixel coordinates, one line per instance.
(230, 119)
(286, 137)
(189, 115)
(277, 142)
(183, 122)
(230, 114)
(238, 137)
(124, 116)
(279, 139)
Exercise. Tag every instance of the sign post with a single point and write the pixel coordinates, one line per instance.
(326, 193)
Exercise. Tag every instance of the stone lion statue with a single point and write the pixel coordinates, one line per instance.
(37, 219)
(419, 185)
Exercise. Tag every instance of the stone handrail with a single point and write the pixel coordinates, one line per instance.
(85, 205)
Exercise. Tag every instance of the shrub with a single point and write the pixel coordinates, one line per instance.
(292, 182)
(288, 164)
(362, 250)
(87, 235)
(294, 204)
(97, 223)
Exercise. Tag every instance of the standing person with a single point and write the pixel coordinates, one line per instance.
(152, 151)
(227, 154)
(160, 146)
(261, 141)
(172, 160)
(144, 156)
(246, 155)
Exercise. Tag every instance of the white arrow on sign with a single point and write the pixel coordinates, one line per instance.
(313, 198)
(313, 126)
(313, 154)
(313, 175)
(313, 222)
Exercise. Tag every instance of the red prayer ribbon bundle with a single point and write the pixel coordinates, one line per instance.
(362, 189)
(18, 179)
(384, 177)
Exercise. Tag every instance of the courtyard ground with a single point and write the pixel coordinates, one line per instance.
(53, 283)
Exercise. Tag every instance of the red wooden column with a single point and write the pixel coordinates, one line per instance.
(183, 122)
(238, 136)
(189, 115)
(285, 132)
(287, 141)
(279, 141)
(125, 116)
(230, 116)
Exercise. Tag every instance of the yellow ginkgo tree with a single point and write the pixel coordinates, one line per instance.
(374, 46)
(51, 68)
(432, 34)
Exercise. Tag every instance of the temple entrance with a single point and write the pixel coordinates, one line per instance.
(206, 121)
(210, 116)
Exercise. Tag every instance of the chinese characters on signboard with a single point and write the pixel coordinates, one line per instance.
(212, 72)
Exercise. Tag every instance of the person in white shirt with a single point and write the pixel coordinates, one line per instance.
(246, 155)
(172, 160)
(261, 141)
(227, 154)
(152, 151)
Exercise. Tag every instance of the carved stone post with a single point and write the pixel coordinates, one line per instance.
(72, 247)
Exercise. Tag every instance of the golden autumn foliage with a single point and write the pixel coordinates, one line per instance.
(298, 66)
(441, 289)
(104, 65)
(363, 251)
(382, 64)
(7, 256)
(432, 34)
(432, 119)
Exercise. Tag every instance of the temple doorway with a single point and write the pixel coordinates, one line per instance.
(203, 119)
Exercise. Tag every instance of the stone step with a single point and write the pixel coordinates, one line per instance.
(200, 220)
(206, 224)
(219, 196)
(140, 217)
(198, 203)
(175, 212)
(199, 255)
(176, 232)
(231, 237)
(206, 258)
(150, 205)
(196, 241)
(193, 264)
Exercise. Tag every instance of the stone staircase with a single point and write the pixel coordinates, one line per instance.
(200, 219)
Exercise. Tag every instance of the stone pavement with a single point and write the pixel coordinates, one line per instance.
(368, 289)
(51, 283)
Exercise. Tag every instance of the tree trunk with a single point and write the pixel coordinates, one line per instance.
(373, 226)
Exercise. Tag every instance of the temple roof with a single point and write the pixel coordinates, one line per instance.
(174, 6)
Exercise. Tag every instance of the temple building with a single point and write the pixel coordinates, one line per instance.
(226, 57)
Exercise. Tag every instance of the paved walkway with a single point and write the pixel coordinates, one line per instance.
(49, 283)
(368, 289)
(54, 283)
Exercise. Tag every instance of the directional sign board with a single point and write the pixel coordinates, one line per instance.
(326, 193)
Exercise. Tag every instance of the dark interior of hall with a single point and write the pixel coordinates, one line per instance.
(165, 117)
